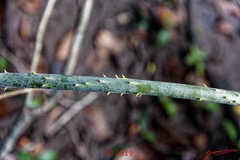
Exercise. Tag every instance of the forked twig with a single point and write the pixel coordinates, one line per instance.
(39, 41)
(27, 117)
(73, 111)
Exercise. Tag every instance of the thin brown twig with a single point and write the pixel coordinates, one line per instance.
(40, 34)
(77, 43)
(73, 111)
(15, 61)
(27, 117)
(39, 41)
(17, 92)
(78, 39)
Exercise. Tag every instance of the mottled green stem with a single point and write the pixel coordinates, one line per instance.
(118, 85)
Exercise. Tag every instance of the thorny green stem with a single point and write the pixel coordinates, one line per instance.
(118, 85)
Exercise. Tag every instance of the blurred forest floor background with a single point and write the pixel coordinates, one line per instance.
(184, 41)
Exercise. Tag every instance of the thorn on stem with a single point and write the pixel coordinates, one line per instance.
(49, 78)
(5, 71)
(77, 85)
(202, 99)
(104, 76)
(138, 95)
(33, 72)
(108, 93)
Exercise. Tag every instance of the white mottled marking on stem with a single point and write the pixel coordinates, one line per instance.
(49, 78)
(220, 91)
(231, 98)
(102, 81)
(133, 82)
(77, 85)
(236, 94)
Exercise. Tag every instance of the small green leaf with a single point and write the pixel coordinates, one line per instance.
(196, 58)
(143, 25)
(151, 68)
(149, 136)
(35, 103)
(170, 106)
(210, 106)
(231, 130)
(48, 155)
(145, 132)
(163, 38)
(23, 155)
(144, 120)
(3, 63)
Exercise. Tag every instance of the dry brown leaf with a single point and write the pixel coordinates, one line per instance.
(166, 15)
(54, 114)
(227, 8)
(225, 27)
(34, 147)
(82, 152)
(64, 46)
(31, 6)
(134, 129)
(23, 142)
(169, 67)
(108, 43)
(4, 109)
(98, 123)
(123, 19)
(43, 65)
(201, 141)
(25, 29)
(196, 79)
(236, 110)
